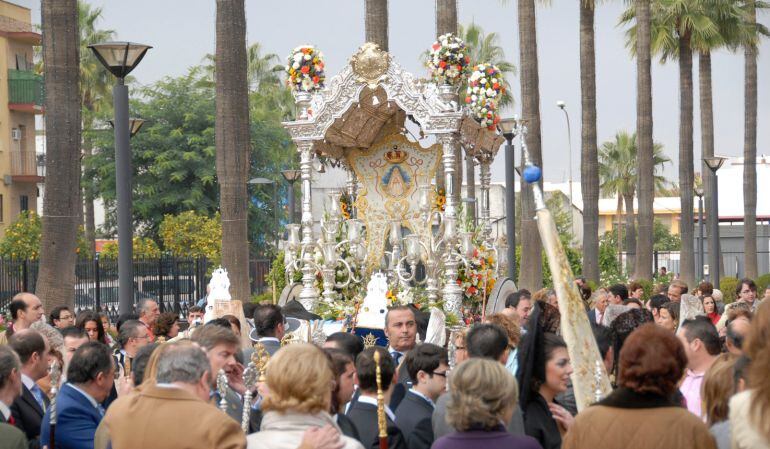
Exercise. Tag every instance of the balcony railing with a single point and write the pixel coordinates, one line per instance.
(24, 166)
(26, 91)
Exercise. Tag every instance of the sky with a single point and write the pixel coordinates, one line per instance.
(183, 31)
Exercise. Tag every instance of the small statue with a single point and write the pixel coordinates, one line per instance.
(222, 390)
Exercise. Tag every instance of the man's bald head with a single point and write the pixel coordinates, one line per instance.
(736, 333)
(31, 313)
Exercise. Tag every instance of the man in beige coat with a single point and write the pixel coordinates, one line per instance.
(174, 412)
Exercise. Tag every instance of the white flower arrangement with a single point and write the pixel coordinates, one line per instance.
(485, 88)
(448, 61)
(305, 69)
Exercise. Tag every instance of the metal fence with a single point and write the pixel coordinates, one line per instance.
(175, 283)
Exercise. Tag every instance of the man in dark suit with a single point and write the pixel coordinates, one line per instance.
(364, 412)
(270, 327)
(596, 314)
(401, 330)
(10, 382)
(427, 364)
(90, 377)
(27, 410)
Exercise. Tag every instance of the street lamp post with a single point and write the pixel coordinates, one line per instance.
(120, 58)
(275, 207)
(563, 106)
(506, 126)
(714, 163)
(699, 193)
(291, 176)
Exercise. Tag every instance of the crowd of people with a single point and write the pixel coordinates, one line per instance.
(681, 379)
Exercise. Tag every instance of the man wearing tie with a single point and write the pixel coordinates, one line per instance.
(90, 376)
(10, 386)
(401, 330)
(27, 410)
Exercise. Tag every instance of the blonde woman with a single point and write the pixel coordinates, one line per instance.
(300, 380)
(483, 396)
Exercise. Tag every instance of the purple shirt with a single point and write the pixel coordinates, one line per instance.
(488, 440)
(690, 389)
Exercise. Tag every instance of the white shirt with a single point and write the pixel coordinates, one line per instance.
(5, 411)
(86, 395)
(373, 401)
(417, 393)
(261, 339)
(27, 381)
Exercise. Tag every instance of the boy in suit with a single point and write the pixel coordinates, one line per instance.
(27, 410)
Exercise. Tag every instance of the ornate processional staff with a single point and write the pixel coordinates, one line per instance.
(55, 377)
(382, 424)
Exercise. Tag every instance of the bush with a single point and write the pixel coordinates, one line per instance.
(727, 285)
(22, 237)
(762, 282)
(192, 235)
(144, 248)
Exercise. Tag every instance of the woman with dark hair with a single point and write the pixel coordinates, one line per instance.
(345, 380)
(710, 307)
(166, 326)
(544, 370)
(622, 326)
(641, 412)
(89, 321)
(668, 316)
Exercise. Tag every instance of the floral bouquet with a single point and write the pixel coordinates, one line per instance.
(439, 202)
(305, 69)
(477, 279)
(485, 87)
(447, 60)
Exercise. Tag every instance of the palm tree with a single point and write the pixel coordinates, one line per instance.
(619, 177)
(675, 23)
(95, 86)
(56, 279)
(531, 275)
(232, 141)
(483, 48)
(589, 163)
(376, 23)
(446, 22)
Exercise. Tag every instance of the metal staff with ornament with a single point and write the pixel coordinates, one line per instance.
(589, 378)
(382, 423)
(55, 372)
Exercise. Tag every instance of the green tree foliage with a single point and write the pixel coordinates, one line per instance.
(22, 237)
(190, 234)
(144, 248)
(664, 240)
(727, 285)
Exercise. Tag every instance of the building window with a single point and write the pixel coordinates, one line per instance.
(23, 203)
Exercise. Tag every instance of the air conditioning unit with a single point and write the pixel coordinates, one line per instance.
(16, 134)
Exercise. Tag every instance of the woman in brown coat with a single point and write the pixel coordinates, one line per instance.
(640, 413)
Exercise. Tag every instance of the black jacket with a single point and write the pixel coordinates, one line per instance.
(347, 427)
(540, 425)
(414, 419)
(28, 415)
(403, 385)
(364, 417)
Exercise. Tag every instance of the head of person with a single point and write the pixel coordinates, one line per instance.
(655, 303)
(700, 339)
(61, 317)
(635, 290)
(558, 368)
(366, 370)
(509, 325)
(10, 374)
(633, 303)
(737, 330)
(93, 369)
(345, 341)
(717, 295)
(167, 325)
(746, 291)
(580, 281)
(74, 337)
(123, 317)
(132, 336)
(235, 324)
(461, 348)
(739, 310)
(195, 316)
(521, 302)
(718, 386)
(767, 293)
(585, 293)
(345, 378)
(668, 316)
(269, 321)
(601, 300)
(618, 293)
(90, 322)
(141, 359)
(551, 298)
(185, 365)
(148, 311)
(401, 328)
(33, 352)
(709, 305)
(427, 365)
(487, 341)
(626, 323)
(676, 289)
(106, 324)
(34, 307)
(483, 394)
(652, 361)
(220, 345)
(663, 271)
(705, 288)
(757, 348)
(300, 380)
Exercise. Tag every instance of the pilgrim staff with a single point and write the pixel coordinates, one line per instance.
(382, 424)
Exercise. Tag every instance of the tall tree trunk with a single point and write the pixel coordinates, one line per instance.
(619, 233)
(446, 22)
(750, 155)
(531, 266)
(232, 142)
(589, 162)
(88, 201)
(470, 187)
(687, 227)
(61, 55)
(376, 23)
(646, 168)
(706, 136)
(630, 233)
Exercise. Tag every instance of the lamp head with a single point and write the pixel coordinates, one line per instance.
(561, 104)
(507, 126)
(714, 162)
(699, 191)
(291, 175)
(120, 58)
